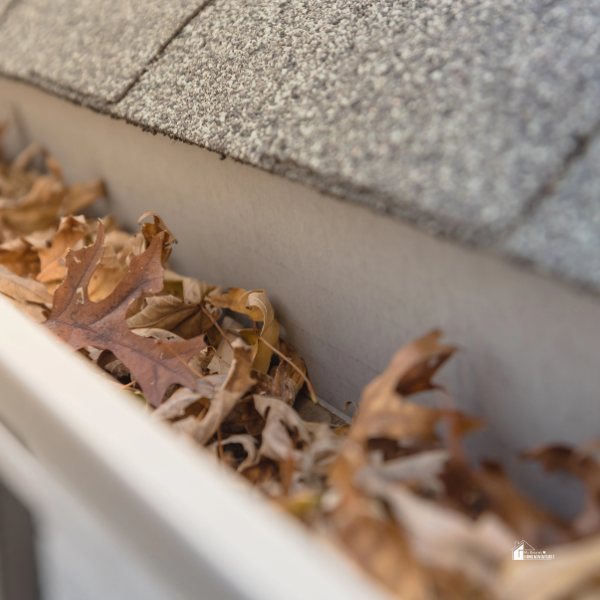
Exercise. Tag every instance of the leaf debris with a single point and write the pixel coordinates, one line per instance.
(393, 490)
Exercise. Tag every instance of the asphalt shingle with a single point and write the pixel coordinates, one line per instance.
(93, 48)
(562, 235)
(457, 115)
(451, 113)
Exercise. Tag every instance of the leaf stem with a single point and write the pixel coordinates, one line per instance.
(311, 389)
(216, 324)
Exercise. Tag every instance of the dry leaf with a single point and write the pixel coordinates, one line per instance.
(581, 463)
(287, 381)
(405, 504)
(382, 412)
(37, 312)
(150, 230)
(22, 289)
(191, 291)
(115, 261)
(80, 196)
(81, 322)
(563, 578)
(20, 257)
(175, 407)
(249, 444)
(442, 538)
(377, 545)
(36, 210)
(70, 231)
(529, 521)
(421, 470)
(163, 312)
(236, 385)
(282, 425)
(256, 305)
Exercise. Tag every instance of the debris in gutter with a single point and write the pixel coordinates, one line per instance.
(394, 490)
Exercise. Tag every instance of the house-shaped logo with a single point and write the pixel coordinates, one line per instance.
(524, 551)
(520, 548)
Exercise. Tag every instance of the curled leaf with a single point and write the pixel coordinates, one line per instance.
(249, 444)
(236, 385)
(256, 305)
(282, 424)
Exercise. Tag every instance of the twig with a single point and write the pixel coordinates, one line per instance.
(311, 389)
(127, 385)
(199, 375)
(220, 444)
(216, 324)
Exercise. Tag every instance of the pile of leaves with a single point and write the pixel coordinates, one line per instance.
(393, 490)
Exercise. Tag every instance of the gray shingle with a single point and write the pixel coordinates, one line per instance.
(457, 115)
(451, 113)
(94, 48)
(562, 236)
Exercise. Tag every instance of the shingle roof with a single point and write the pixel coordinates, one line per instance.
(471, 118)
(94, 48)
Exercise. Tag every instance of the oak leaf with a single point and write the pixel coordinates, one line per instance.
(80, 322)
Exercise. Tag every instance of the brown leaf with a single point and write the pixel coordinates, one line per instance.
(287, 382)
(38, 209)
(80, 196)
(154, 364)
(442, 538)
(582, 464)
(256, 305)
(382, 412)
(163, 312)
(572, 575)
(377, 545)
(22, 289)
(370, 536)
(188, 289)
(20, 257)
(237, 384)
(419, 361)
(117, 256)
(70, 231)
(529, 521)
(37, 312)
(150, 230)
(282, 424)
(248, 442)
(176, 406)
(421, 470)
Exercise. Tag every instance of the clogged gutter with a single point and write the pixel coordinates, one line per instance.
(393, 490)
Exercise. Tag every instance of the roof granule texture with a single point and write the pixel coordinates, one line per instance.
(451, 113)
(474, 119)
(94, 48)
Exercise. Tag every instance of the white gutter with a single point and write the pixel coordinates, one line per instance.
(349, 286)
